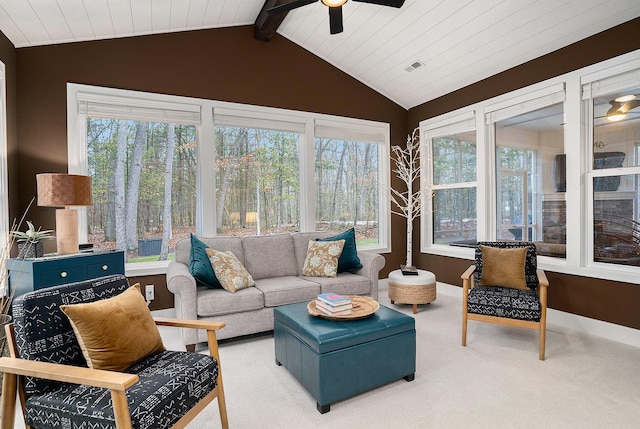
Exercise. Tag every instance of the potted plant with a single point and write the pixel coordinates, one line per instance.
(30, 241)
(408, 203)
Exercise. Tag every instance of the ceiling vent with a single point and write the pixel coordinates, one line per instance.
(414, 66)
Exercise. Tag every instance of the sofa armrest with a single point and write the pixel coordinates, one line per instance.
(183, 286)
(372, 263)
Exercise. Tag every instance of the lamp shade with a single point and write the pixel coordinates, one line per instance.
(63, 190)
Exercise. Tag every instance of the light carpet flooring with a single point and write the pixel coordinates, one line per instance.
(496, 381)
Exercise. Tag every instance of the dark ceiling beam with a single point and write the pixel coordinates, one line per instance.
(267, 23)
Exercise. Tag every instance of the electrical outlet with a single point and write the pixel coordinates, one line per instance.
(150, 292)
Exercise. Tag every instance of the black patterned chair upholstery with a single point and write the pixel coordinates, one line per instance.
(163, 390)
(505, 305)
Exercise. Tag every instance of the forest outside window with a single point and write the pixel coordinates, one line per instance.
(257, 180)
(347, 181)
(164, 167)
(452, 175)
(144, 183)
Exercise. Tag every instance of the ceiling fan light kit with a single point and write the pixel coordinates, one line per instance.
(333, 3)
(335, 9)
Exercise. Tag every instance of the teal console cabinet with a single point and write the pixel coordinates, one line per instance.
(37, 273)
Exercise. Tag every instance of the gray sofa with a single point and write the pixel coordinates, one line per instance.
(275, 262)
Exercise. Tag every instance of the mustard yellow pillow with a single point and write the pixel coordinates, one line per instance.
(232, 275)
(322, 258)
(116, 332)
(504, 267)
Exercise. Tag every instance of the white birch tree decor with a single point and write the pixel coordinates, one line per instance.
(407, 203)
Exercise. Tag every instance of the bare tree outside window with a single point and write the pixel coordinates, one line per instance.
(144, 186)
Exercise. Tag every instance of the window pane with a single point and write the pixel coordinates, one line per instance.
(257, 181)
(346, 175)
(454, 159)
(616, 202)
(616, 224)
(454, 215)
(530, 179)
(127, 161)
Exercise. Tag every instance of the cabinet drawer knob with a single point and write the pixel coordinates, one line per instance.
(63, 274)
(105, 267)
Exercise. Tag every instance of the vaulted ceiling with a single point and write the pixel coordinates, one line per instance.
(453, 42)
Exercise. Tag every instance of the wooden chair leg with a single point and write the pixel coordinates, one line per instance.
(543, 337)
(464, 328)
(121, 409)
(9, 390)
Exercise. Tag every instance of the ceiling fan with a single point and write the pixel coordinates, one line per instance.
(335, 9)
(622, 106)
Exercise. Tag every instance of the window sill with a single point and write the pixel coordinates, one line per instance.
(146, 268)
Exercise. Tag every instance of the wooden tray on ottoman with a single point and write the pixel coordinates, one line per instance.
(363, 306)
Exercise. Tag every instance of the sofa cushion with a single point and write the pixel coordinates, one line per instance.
(301, 245)
(234, 244)
(268, 256)
(322, 258)
(171, 383)
(200, 266)
(215, 302)
(116, 332)
(349, 260)
(343, 284)
(232, 275)
(287, 290)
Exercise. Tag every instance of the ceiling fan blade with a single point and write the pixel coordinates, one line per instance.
(290, 6)
(390, 3)
(335, 20)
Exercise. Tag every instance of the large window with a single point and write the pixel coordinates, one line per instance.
(143, 185)
(452, 176)
(257, 181)
(164, 167)
(614, 168)
(347, 181)
(529, 166)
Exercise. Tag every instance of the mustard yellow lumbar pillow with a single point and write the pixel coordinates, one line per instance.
(322, 258)
(504, 267)
(232, 275)
(116, 332)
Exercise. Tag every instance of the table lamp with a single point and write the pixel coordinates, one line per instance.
(64, 190)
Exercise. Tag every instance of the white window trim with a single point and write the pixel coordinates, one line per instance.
(5, 224)
(303, 121)
(577, 141)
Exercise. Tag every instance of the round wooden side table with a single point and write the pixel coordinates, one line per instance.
(420, 289)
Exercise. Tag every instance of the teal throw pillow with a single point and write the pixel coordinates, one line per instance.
(348, 260)
(200, 265)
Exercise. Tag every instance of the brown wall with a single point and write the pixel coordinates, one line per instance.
(222, 64)
(8, 57)
(614, 302)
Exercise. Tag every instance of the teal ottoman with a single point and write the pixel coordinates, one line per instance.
(334, 360)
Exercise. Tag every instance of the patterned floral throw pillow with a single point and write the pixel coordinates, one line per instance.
(232, 275)
(322, 258)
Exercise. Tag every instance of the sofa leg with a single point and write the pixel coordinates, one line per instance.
(191, 348)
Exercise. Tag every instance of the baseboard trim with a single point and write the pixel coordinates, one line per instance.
(574, 322)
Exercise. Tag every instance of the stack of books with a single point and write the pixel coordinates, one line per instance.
(333, 304)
